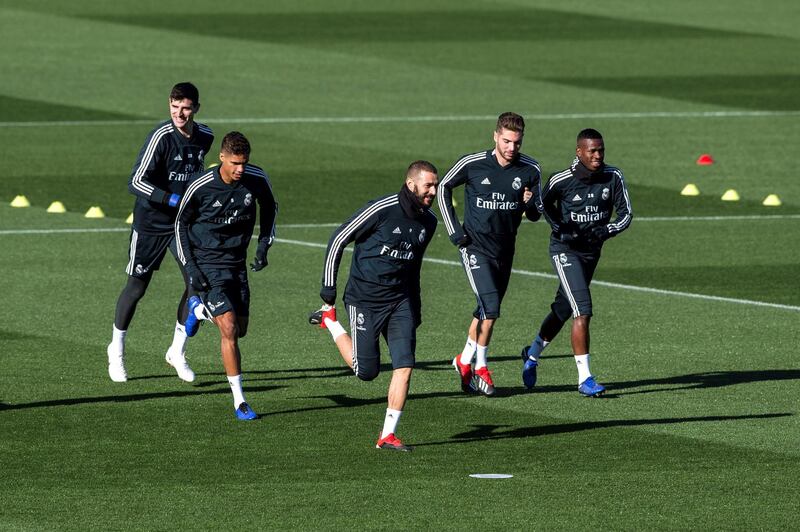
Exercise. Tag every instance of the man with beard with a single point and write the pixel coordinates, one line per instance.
(578, 203)
(391, 235)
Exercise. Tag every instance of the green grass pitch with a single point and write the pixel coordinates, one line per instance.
(697, 304)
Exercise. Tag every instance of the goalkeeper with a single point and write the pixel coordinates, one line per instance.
(578, 203)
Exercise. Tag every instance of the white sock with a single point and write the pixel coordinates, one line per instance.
(536, 348)
(582, 361)
(390, 421)
(335, 328)
(480, 356)
(179, 338)
(469, 351)
(236, 389)
(118, 338)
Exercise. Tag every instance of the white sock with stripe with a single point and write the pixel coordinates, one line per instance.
(582, 361)
(118, 339)
(469, 351)
(480, 356)
(390, 421)
(236, 390)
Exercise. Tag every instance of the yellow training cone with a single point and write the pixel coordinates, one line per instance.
(57, 207)
(129, 219)
(690, 190)
(20, 201)
(730, 195)
(95, 212)
(772, 201)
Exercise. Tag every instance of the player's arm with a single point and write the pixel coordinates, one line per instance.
(550, 206)
(360, 224)
(622, 207)
(455, 177)
(533, 204)
(415, 290)
(268, 213)
(141, 182)
(187, 213)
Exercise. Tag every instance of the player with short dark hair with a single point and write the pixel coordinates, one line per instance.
(213, 229)
(382, 295)
(499, 186)
(172, 152)
(578, 203)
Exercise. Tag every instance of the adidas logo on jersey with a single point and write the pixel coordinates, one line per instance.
(217, 204)
(396, 231)
(486, 181)
(577, 197)
(178, 158)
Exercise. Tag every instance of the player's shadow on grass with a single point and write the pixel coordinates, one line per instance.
(493, 432)
(693, 381)
(126, 398)
(346, 401)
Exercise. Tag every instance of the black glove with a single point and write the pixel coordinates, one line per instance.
(567, 237)
(328, 295)
(260, 261)
(599, 234)
(462, 241)
(197, 280)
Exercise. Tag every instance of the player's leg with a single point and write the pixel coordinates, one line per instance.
(145, 253)
(176, 353)
(400, 333)
(575, 272)
(491, 283)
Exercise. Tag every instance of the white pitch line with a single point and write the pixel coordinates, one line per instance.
(459, 265)
(413, 119)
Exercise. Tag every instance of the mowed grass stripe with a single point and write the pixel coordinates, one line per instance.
(421, 118)
(645, 289)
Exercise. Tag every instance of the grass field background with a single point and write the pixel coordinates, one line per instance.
(697, 304)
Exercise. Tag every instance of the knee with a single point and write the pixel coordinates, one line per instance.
(368, 374)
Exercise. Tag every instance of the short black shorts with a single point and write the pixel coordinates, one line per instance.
(575, 271)
(488, 279)
(146, 252)
(229, 290)
(396, 322)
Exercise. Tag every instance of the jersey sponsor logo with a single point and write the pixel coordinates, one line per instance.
(248, 199)
(230, 217)
(606, 193)
(517, 183)
(486, 181)
(217, 204)
(497, 202)
(577, 197)
(592, 214)
(405, 252)
(396, 231)
(360, 322)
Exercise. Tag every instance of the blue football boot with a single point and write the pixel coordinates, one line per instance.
(590, 388)
(245, 413)
(528, 369)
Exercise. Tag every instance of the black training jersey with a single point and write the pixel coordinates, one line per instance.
(493, 205)
(575, 205)
(387, 259)
(165, 163)
(215, 220)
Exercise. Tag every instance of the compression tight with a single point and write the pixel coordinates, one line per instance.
(134, 290)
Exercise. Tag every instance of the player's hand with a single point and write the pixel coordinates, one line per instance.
(567, 237)
(173, 200)
(328, 295)
(599, 234)
(462, 241)
(260, 261)
(527, 195)
(197, 279)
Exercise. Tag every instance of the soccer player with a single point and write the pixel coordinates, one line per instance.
(578, 203)
(499, 186)
(172, 152)
(214, 226)
(391, 234)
